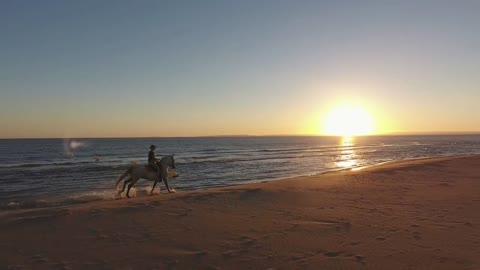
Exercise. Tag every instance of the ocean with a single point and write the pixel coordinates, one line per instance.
(52, 172)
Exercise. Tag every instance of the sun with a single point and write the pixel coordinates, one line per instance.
(348, 120)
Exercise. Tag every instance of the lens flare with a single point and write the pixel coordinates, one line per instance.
(70, 145)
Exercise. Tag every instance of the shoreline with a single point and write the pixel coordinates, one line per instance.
(77, 201)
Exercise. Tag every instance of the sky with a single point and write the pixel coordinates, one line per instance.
(201, 68)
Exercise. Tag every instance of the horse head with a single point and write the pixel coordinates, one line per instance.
(167, 161)
(173, 162)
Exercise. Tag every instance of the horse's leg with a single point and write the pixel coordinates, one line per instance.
(154, 184)
(166, 184)
(164, 175)
(124, 185)
(130, 186)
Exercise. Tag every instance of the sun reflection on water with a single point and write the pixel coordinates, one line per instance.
(347, 158)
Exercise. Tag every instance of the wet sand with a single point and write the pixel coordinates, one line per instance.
(422, 214)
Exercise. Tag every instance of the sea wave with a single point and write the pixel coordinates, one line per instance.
(33, 171)
(34, 165)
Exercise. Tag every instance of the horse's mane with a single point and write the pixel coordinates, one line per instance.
(165, 158)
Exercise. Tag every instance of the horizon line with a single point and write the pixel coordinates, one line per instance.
(439, 133)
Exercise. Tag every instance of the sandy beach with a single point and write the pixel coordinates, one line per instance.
(421, 214)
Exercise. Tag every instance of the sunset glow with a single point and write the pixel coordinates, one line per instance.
(348, 120)
(220, 69)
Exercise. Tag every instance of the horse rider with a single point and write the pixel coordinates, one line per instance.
(152, 161)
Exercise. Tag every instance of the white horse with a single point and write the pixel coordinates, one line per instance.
(145, 172)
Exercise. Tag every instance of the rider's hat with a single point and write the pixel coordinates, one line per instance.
(152, 147)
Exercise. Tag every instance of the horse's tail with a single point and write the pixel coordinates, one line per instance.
(127, 172)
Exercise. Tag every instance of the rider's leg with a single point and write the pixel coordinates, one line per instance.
(153, 165)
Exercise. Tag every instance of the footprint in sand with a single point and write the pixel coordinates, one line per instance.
(332, 254)
(297, 257)
(249, 242)
(228, 254)
(201, 253)
(15, 267)
(39, 258)
(360, 259)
